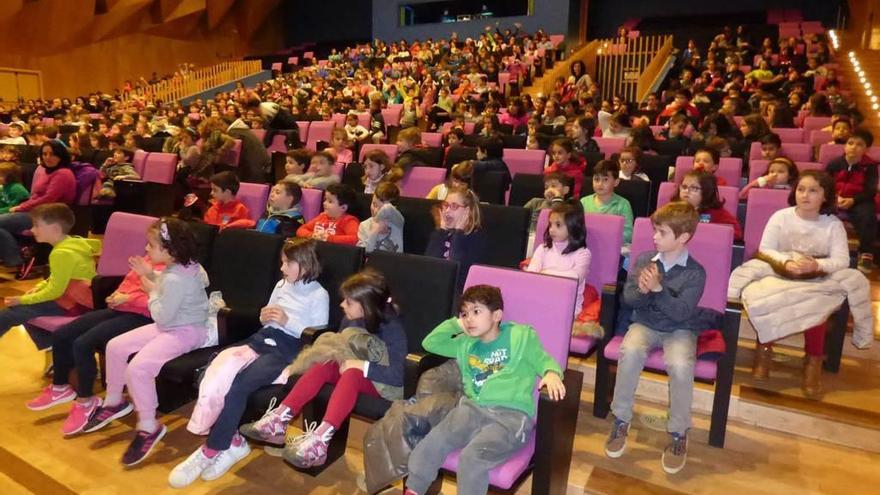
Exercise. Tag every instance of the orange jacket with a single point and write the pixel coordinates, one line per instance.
(233, 214)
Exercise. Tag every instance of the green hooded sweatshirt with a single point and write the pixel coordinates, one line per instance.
(513, 386)
(71, 259)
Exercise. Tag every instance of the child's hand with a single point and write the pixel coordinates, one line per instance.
(552, 193)
(770, 179)
(273, 313)
(350, 364)
(378, 227)
(140, 265)
(845, 203)
(320, 235)
(649, 279)
(553, 383)
(12, 301)
(115, 299)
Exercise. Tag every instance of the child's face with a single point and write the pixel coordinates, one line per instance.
(666, 241)
(676, 129)
(854, 149)
(779, 172)
(840, 131)
(453, 139)
(557, 228)
(351, 121)
(809, 195)
(555, 189)
(455, 211)
(769, 151)
(119, 156)
(604, 185)
(353, 310)
(373, 170)
(560, 155)
(627, 163)
(478, 320)
(220, 195)
(157, 253)
(292, 166)
(290, 269)
(481, 154)
(403, 145)
(321, 167)
(704, 161)
(14, 132)
(332, 207)
(376, 205)
(338, 141)
(279, 199)
(691, 191)
(46, 232)
(575, 131)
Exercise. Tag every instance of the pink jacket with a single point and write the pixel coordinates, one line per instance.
(57, 187)
(572, 265)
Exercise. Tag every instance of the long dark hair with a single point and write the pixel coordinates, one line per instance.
(573, 215)
(59, 150)
(176, 237)
(709, 199)
(370, 290)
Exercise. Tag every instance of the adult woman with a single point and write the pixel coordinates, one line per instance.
(579, 73)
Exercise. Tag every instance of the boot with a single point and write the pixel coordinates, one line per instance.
(763, 361)
(812, 385)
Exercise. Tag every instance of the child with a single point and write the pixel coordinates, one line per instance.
(603, 199)
(455, 138)
(841, 129)
(700, 190)
(489, 153)
(12, 192)
(707, 159)
(564, 251)
(378, 168)
(855, 179)
(74, 346)
(459, 178)
(116, 167)
(339, 149)
(581, 133)
(334, 224)
(771, 144)
(566, 162)
(355, 131)
(663, 288)
(320, 174)
(781, 174)
(14, 135)
(227, 211)
(499, 361)
(532, 142)
(297, 302)
(283, 213)
(459, 236)
(557, 189)
(383, 231)
(368, 305)
(71, 268)
(179, 307)
(297, 161)
(407, 142)
(629, 164)
(674, 131)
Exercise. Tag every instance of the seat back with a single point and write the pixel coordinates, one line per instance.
(339, 119)
(311, 203)
(319, 131)
(423, 287)
(828, 152)
(790, 135)
(507, 233)
(524, 161)
(419, 181)
(389, 149)
(303, 130)
(819, 137)
(246, 281)
(799, 152)
(419, 223)
(637, 192)
(728, 194)
(761, 205)
(610, 145)
(816, 123)
(138, 161)
(391, 117)
(525, 187)
(260, 133)
(338, 262)
(432, 139)
(278, 144)
(457, 154)
(254, 196)
(124, 237)
(160, 168)
(711, 246)
(729, 169)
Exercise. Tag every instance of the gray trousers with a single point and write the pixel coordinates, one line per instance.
(679, 353)
(487, 436)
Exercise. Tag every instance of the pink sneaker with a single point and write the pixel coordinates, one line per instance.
(79, 416)
(309, 449)
(50, 397)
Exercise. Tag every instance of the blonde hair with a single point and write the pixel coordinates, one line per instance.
(472, 202)
(411, 135)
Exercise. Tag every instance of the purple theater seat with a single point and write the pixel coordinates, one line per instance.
(819, 137)
(816, 123)
(419, 181)
(789, 135)
(160, 168)
(761, 205)
(320, 131)
(278, 144)
(432, 139)
(338, 119)
(138, 161)
(254, 196)
(799, 152)
(524, 161)
(311, 203)
(729, 194)
(303, 130)
(729, 169)
(260, 133)
(610, 145)
(391, 117)
(389, 149)
(757, 168)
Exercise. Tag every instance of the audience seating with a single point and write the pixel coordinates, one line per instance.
(311, 203)
(389, 149)
(159, 168)
(278, 144)
(303, 126)
(757, 168)
(138, 161)
(457, 154)
(419, 223)
(728, 194)
(255, 197)
(799, 152)
(524, 161)
(419, 181)
(816, 123)
(319, 131)
(507, 232)
(819, 137)
(712, 247)
(729, 169)
(792, 135)
(610, 145)
(391, 116)
(432, 139)
(525, 187)
(514, 141)
(760, 207)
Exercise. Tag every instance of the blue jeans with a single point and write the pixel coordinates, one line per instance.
(12, 224)
(679, 353)
(16, 315)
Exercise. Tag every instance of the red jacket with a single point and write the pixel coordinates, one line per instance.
(342, 230)
(722, 216)
(233, 214)
(573, 169)
(858, 181)
(137, 299)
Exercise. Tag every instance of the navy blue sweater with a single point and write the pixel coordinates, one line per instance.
(392, 333)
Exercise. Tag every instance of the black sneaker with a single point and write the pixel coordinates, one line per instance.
(105, 414)
(142, 445)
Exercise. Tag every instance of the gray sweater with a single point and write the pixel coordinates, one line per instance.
(392, 241)
(179, 297)
(675, 306)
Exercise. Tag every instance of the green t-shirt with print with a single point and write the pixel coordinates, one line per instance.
(488, 358)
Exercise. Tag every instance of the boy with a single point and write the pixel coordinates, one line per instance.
(227, 211)
(557, 188)
(297, 161)
(116, 167)
(334, 224)
(383, 231)
(407, 142)
(855, 180)
(708, 159)
(15, 132)
(841, 129)
(320, 174)
(283, 214)
(71, 268)
(603, 199)
(489, 152)
(771, 144)
(663, 289)
(498, 363)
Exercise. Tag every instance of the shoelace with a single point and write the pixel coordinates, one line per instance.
(311, 428)
(678, 445)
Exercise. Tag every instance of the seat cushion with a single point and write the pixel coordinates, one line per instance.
(504, 475)
(582, 345)
(50, 323)
(703, 369)
(182, 369)
(366, 406)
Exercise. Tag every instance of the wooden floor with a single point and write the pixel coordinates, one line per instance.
(35, 458)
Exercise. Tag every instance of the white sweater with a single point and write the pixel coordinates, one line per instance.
(824, 238)
(305, 304)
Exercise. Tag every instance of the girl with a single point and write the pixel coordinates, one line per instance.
(565, 161)
(700, 189)
(12, 192)
(490, 126)
(564, 252)
(297, 302)
(781, 174)
(581, 133)
(384, 229)
(339, 149)
(179, 307)
(378, 168)
(459, 235)
(334, 224)
(459, 178)
(805, 241)
(629, 164)
(367, 304)
(516, 115)
(353, 130)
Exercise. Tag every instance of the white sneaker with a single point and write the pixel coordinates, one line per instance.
(225, 460)
(190, 470)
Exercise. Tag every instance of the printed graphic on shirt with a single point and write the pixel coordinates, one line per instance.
(486, 359)
(326, 228)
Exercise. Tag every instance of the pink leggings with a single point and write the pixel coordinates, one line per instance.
(348, 386)
(814, 340)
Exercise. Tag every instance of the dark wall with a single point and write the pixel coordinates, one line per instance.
(327, 20)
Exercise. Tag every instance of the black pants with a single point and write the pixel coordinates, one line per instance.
(864, 218)
(263, 371)
(75, 344)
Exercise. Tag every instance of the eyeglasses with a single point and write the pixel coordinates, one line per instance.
(627, 160)
(446, 205)
(693, 189)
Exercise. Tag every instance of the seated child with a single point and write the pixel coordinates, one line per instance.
(841, 129)
(383, 231)
(12, 192)
(532, 126)
(117, 167)
(297, 161)
(334, 224)
(454, 138)
(320, 174)
(496, 415)
(565, 161)
(782, 173)
(71, 268)
(663, 288)
(459, 177)
(283, 213)
(771, 146)
(700, 190)
(353, 130)
(674, 131)
(339, 148)
(14, 135)
(377, 169)
(227, 211)
(408, 140)
(581, 132)
(489, 152)
(604, 200)
(629, 164)
(459, 235)
(557, 189)
(855, 181)
(708, 159)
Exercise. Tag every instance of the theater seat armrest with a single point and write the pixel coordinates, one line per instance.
(416, 364)
(234, 324)
(555, 427)
(311, 334)
(103, 286)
